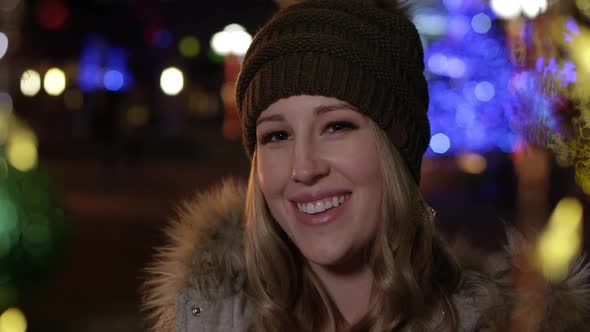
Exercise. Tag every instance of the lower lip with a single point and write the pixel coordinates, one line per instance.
(322, 218)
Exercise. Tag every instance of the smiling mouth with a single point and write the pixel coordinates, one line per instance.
(322, 205)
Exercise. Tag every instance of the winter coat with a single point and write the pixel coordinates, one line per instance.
(196, 281)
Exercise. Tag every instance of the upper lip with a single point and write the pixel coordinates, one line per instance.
(317, 195)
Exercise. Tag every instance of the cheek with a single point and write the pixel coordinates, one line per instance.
(272, 171)
(359, 161)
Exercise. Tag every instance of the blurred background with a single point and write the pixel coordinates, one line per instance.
(114, 111)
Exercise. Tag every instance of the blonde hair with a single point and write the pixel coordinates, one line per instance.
(414, 276)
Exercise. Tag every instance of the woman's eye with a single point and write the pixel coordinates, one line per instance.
(339, 126)
(274, 136)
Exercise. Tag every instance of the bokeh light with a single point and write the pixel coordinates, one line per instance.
(54, 82)
(13, 320)
(52, 14)
(456, 68)
(232, 40)
(561, 240)
(113, 80)
(3, 44)
(189, 46)
(22, 150)
(509, 9)
(440, 143)
(506, 8)
(532, 8)
(432, 24)
(30, 83)
(472, 163)
(172, 81)
(484, 91)
(481, 23)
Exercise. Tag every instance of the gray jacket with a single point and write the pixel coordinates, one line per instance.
(196, 281)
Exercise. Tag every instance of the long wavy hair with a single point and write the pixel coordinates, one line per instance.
(414, 276)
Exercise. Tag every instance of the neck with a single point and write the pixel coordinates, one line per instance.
(349, 287)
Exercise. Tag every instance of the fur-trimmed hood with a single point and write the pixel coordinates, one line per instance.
(204, 256)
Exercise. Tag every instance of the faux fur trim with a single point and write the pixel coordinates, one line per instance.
(204, 251)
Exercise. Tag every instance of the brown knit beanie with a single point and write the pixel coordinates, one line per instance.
(348, 49)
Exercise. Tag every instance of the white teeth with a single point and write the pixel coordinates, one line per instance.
(335, 201)
(321, 206)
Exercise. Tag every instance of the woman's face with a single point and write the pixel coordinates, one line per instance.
(318, 169)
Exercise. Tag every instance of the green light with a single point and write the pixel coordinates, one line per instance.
(189, 46)
(3, 170)
(8, 226)
(37, 238)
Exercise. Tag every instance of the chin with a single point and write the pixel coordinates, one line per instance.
(326, 257)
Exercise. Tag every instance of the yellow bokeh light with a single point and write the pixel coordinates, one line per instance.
(22, 150)
(54, 82)
(472, 163)
(13, 320)
(30, 83)
(172, 81)
(189, 46)
(560, 242)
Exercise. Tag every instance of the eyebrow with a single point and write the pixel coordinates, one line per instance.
(318, 110)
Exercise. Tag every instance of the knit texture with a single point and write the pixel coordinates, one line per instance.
(347, 49)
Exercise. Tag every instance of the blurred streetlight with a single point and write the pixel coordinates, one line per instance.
(13, 320)
(509, 9)
(54, 82)
(30, 83)
(232, 40)
(172, 81)
(3, 44)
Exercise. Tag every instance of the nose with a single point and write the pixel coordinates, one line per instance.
(308, 164)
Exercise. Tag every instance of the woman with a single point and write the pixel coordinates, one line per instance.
(332, 233)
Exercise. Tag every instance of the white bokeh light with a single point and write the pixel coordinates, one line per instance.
(30, 83)
(481, 23)
(506, 8)
(232, 40)
(172, 81)
(3, 44)
(440, 143)
(532, 8)
(54, 82)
